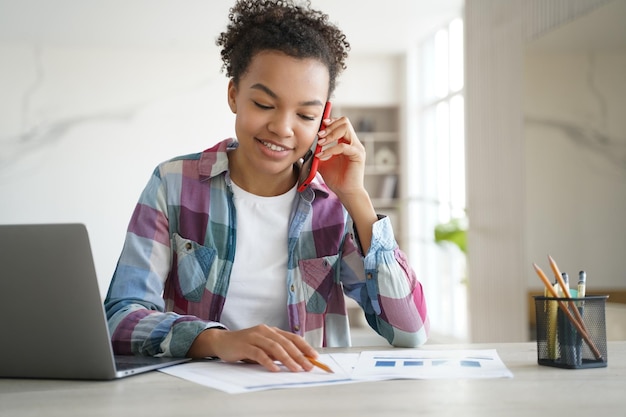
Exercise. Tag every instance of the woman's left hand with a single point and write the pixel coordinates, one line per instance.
(342, 164)
(342, 160)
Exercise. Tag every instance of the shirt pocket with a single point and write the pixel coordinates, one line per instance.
(193, 263)
(321, 288)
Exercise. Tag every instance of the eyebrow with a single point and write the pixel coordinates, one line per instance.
(269, 92)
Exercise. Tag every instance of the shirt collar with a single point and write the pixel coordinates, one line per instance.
(214, 161)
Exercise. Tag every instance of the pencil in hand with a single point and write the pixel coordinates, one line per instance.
(320, 365)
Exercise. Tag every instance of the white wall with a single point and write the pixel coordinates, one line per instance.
(575, 136)
(372, 80)
(83, 127)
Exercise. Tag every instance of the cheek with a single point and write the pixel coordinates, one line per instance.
(305, 136)
(246, 123)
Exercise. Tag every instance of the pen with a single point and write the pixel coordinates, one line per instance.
(565, 279)
(582, 288)
(573, 292)
(582, 284)
(320, 365)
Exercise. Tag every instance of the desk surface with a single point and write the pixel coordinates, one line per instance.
(533, 389)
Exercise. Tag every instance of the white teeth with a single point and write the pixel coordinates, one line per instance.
(273, 147)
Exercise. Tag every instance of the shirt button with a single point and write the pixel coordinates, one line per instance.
(292, 288)
(296, 328)
(188, 246)
(369, 275)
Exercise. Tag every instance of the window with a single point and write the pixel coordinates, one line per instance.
(436, 172)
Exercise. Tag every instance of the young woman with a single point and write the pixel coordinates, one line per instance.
(224, 257)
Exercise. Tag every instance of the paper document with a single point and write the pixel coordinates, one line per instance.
(430, 364)
(245, 377)
(348, 368)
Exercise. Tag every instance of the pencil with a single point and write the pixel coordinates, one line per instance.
(571, 318)
(320, 365)
(559, 277)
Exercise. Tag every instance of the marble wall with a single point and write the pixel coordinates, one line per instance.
(575, 138)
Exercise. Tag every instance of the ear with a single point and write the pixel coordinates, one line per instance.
(232, 96)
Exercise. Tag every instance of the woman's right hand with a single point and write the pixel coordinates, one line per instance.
(261, 344)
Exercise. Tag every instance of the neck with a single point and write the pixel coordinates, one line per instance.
(258, 184)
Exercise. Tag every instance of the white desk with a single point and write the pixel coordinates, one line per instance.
(534, 390)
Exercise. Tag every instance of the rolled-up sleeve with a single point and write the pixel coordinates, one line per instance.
(386, 287)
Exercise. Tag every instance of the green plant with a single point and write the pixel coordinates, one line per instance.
(454, 231)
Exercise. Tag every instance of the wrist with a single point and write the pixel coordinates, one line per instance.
(204, 345)
(359, 206)
(361, 210)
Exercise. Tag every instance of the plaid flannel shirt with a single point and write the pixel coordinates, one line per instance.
(172, 277)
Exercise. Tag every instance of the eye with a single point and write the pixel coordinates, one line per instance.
(262, 106)
(307, 117)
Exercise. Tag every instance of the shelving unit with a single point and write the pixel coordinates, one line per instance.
(378, 130)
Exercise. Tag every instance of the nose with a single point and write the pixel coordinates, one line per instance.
(281, 124)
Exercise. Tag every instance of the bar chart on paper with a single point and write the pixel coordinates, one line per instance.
(430, 364)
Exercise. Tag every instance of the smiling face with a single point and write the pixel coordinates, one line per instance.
(278, 104)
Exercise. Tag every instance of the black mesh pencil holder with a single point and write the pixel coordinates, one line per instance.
(572, 339)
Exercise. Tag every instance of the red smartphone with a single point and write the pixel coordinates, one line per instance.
(308, 165)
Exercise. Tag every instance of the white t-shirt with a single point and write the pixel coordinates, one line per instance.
(258, 290)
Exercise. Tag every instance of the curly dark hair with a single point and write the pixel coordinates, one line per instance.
(280, 25)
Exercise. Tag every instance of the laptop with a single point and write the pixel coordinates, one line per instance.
(52, 319)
